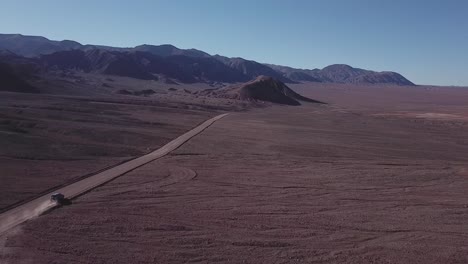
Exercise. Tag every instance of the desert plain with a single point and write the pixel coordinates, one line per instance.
(377, 175)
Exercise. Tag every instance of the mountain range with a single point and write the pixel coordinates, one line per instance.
(152, 62)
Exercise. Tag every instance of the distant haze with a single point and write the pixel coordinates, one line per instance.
(426, 41)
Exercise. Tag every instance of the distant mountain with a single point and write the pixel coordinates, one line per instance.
(301, 77)
(34, 46)
(31, 46)
(207, 69)
(382, 78)
(143, 65)
(127, 64)
(251, 69)
(169, 50)
(184, 65)
(341, 73)
(298, 75)
(264, 89)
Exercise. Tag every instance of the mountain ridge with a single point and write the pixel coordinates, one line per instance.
(199, 64)
(343, 73)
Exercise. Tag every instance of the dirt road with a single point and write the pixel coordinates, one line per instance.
(20, 214)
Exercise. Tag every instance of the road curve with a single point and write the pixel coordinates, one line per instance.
(26, 211)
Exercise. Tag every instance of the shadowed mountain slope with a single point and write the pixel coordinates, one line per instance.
(251, 69)
(12, 81)
(143, 65)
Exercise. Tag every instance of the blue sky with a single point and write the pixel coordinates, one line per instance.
(426, 41)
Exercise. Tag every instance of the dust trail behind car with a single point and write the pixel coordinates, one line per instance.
(10, 219)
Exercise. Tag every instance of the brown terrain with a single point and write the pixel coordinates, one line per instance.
(379, 175)
(48, 140)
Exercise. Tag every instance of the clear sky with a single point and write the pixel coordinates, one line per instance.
(425, 40)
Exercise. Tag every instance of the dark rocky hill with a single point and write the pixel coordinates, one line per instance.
(263, 89)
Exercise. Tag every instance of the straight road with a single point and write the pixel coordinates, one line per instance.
(33, 208)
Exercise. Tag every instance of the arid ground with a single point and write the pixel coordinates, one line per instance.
(380, 175)
(48, 140)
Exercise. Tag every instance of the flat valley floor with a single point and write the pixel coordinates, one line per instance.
(338, 183)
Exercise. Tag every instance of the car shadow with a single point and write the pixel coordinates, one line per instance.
(66, 202)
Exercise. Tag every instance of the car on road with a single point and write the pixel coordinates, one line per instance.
(58, 198)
